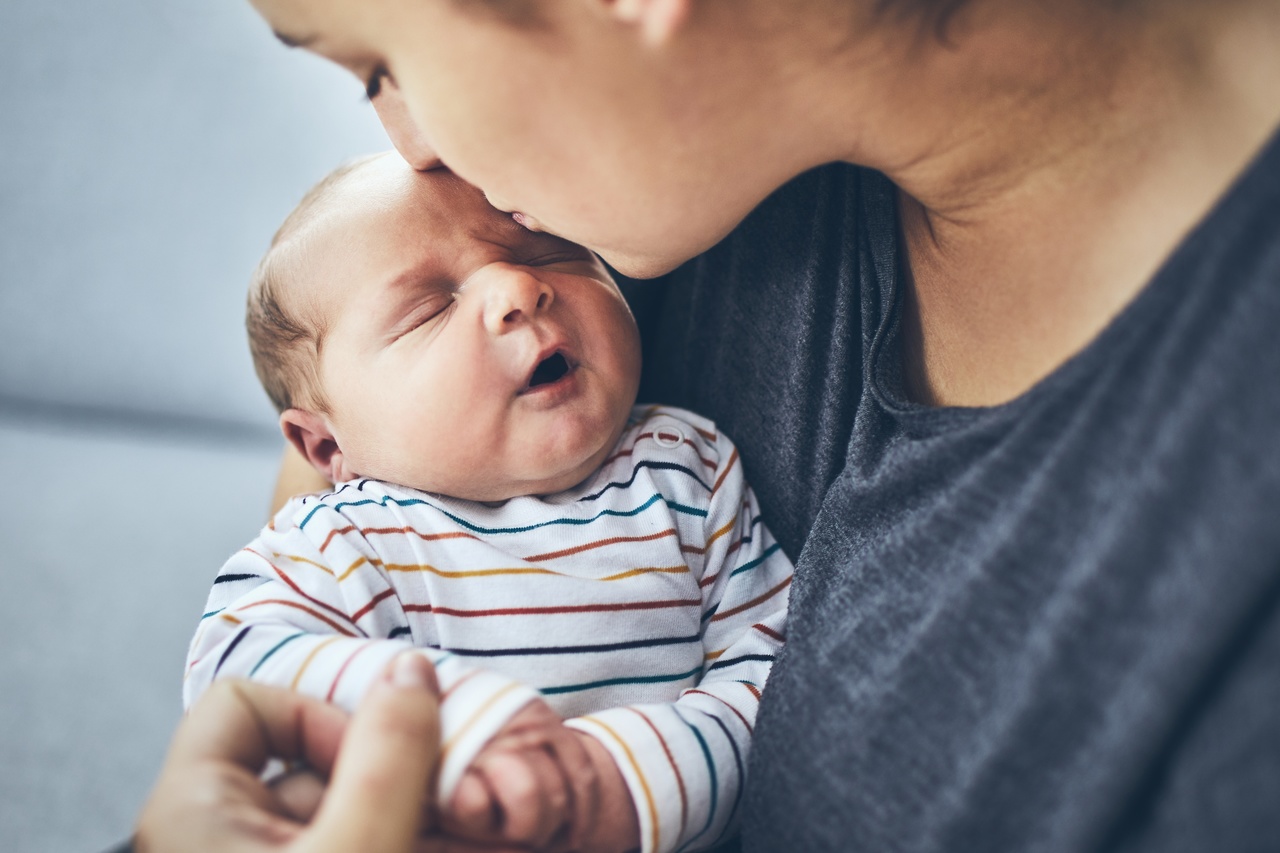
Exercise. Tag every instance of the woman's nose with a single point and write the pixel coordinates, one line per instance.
(405, 134)
(512, 296)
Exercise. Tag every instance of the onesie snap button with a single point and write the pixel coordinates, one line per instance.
(668, 437)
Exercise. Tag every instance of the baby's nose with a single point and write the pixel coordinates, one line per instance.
(513, 294)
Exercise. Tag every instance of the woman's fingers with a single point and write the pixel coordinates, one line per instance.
(385, 765)
(245, 724)
(209, 798)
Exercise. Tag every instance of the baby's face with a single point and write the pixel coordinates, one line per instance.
(461, 353)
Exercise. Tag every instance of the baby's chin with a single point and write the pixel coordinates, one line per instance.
(499, 492)
(495, 487)
(488, 489)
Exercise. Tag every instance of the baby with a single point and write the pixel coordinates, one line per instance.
(591, 580)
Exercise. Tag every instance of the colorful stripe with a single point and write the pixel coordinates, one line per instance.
(724, 702)
(652, 465)
(617, 607)
(374, 602)
(741, 659)
(231, 647)
(644, 783)
(306, 662)
(675, 768)
(751, 564)
(576, 650)
(295, 605)
(599, 543)
(733, 458)
(613, 682)
(277, 647)
(769, 632)
(713, 782)
(760, 599)
(235, 578)
(387, 500)
(333, 686)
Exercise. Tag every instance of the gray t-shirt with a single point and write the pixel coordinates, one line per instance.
(1048, 625)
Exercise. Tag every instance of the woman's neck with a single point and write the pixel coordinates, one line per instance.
(1050, 157)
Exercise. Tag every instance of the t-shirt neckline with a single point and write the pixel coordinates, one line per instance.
(1159, 295)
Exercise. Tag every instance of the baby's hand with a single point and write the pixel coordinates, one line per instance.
(543, 785)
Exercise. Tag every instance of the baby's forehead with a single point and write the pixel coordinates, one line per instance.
(385, 192)
(378, 219)
(369, 221)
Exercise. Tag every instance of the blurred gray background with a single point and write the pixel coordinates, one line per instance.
(148, 149)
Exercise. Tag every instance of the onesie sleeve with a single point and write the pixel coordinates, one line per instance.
(685, 761)
(322, 618)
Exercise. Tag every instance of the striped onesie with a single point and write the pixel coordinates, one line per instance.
(646, 605)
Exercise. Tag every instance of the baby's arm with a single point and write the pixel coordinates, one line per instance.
(318, 615)
(683, 762)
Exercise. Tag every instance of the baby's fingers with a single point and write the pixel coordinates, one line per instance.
(519, 797)
(474, 811)
(583, 784)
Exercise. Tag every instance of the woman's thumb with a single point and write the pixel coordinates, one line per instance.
(379, 785)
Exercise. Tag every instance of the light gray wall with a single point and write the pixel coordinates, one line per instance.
(109, 550)
(148, 149)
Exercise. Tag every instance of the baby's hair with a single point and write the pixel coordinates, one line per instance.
(285, 344)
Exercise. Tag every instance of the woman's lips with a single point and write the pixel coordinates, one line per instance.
(526, 221)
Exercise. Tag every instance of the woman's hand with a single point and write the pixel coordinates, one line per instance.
(209, 797)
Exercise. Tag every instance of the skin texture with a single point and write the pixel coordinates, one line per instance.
(209, 797)
(435, 310)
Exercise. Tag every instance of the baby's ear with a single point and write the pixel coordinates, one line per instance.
(310, 434)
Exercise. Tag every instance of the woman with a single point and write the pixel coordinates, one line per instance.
(1009, 397)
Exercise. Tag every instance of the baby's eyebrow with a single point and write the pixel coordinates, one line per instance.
(406, 281)
(404, 290)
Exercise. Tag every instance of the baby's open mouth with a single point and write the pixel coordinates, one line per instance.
(550, 369)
